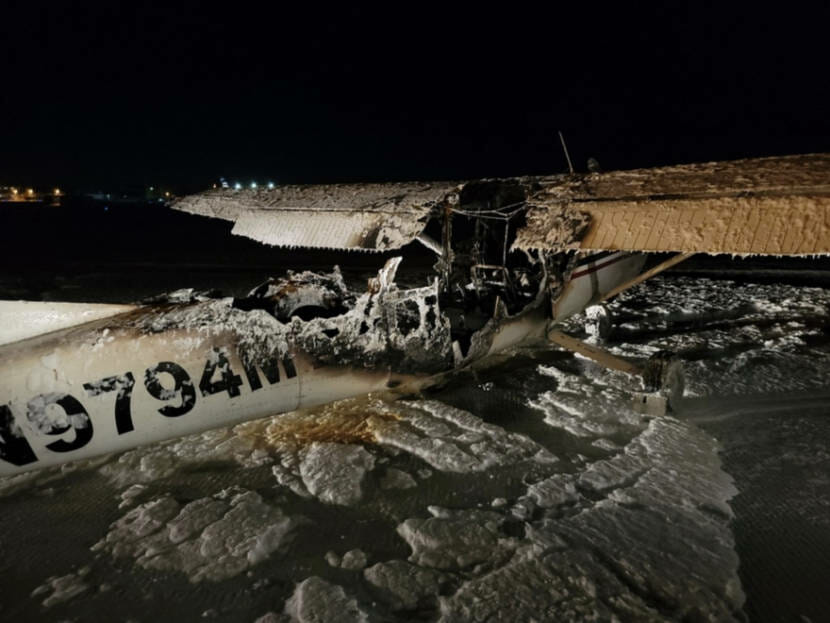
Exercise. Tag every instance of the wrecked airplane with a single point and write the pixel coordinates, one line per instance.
(513, 258)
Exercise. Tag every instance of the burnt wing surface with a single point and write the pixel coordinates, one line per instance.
(360, 217)
(764, 206)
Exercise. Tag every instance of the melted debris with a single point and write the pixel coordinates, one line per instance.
(430, 329)
(315, 314)
(479, 284)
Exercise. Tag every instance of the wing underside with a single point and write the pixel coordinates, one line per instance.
(356, 217)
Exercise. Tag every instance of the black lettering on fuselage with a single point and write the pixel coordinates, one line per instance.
(14, 448)
(183, 388)
(228, 381)
(269, 367)
(76, 417)
(123, 384)
(181, 399)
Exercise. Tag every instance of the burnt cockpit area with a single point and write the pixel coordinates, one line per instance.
(478, 282)
(305, 295)
(483, 281)
(477, 286)
(383, 326)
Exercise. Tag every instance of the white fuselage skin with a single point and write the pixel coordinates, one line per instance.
(98, 388)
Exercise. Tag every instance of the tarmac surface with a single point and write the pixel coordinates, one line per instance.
(526, 490)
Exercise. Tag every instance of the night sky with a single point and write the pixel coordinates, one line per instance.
(129, 94)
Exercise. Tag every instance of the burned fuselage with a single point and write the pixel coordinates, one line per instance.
(186, 363)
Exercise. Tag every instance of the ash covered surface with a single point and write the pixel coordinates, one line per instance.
(528, 490)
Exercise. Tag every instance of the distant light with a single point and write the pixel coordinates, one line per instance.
(253, 184)
(152, 188)
(271, 185)
(214, 185)
(166, 193)
(237, 186)
(57, 192)
(30, 191)
(14, 191)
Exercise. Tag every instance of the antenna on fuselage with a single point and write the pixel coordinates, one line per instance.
(567, 155)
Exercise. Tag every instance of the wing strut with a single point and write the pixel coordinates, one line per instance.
(656, 270)
(602, 357)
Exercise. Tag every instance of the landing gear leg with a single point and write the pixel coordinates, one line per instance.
(662, 374)
(598, 322)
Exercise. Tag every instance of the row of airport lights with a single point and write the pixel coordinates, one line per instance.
(30, 192)
(252, 186)
(236, 186)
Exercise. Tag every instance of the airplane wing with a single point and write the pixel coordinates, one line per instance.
(360, 217)
(765, 206)
(768, 206)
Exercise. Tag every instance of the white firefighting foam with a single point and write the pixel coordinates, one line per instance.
(588, 512)
(210, 538)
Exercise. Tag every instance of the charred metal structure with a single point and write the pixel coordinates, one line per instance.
(505, 248)
(481, 285)
(512, 258)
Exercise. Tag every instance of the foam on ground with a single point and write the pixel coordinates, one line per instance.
(211, 538)
(316, 600)
(643, 535)
(455, 440)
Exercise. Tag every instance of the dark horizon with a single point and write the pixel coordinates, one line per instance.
(120, 96)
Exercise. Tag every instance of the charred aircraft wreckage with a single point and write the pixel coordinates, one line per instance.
(513, 258)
